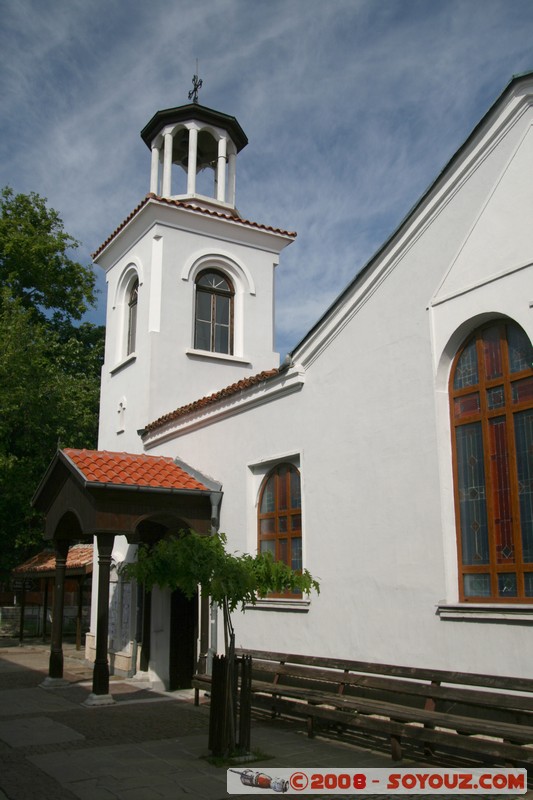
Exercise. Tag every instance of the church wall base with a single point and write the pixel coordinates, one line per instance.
(121, 663)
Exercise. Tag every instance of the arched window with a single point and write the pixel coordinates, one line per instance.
(213, 329)
(132, 317)
(280, 516)
(491, 393)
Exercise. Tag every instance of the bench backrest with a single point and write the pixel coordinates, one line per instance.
(421, 687)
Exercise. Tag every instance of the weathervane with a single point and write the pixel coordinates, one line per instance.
(196, 85)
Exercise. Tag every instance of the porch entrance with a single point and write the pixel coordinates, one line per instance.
(91, 495)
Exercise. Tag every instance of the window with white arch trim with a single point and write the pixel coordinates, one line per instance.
(213, 319)
(491, 399)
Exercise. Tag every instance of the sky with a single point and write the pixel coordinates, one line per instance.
(351, 108)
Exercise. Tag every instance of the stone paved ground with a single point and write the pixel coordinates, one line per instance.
(21, 672)
(147, 745)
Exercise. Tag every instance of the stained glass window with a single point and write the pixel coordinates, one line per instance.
(213, 329)
(280, 515)
(520, 350)
(524, 460)
(466, 373)
(471, 490)
(491, 397)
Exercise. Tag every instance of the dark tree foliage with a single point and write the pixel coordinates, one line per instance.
(35, 264)
(49, 366)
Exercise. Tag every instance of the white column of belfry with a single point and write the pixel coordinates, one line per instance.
(221, 170)
(193, 155)
(154, 174)
(167, 165)
(232, 162)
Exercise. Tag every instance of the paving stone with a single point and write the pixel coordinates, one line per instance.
(30, 701)
(36, 730)
(90, 790)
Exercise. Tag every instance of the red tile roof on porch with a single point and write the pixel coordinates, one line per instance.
(127, 469)
(80, 558)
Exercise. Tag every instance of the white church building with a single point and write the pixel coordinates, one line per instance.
(391, 453)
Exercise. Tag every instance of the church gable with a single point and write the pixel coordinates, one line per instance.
(499, 240)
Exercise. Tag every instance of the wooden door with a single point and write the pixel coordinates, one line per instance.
(183, 635)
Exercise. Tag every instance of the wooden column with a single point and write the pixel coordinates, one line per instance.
(79, 612)
(55, 670)
(45, 606)
(22, 611)
(101, 664)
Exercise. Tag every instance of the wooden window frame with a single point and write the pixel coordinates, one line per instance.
(133, 303)
(293, 531)
(214, 293)
(469, 414)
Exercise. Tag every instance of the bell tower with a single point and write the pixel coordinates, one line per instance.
(190, 306)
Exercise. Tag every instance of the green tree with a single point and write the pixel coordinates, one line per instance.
(49, 366)
(35, 262)
(229, 579)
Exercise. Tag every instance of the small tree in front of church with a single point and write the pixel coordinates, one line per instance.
(231, 580)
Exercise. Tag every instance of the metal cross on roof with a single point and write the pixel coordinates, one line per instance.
(196, 85)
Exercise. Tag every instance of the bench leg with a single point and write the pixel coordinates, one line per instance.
(310, 727)
(396, 748)
(196, 697)
(429, 750)
(430, 705)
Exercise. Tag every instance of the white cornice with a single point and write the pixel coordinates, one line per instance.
(219, 227)
(256, 395)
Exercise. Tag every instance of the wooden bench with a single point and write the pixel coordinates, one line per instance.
(487, 716)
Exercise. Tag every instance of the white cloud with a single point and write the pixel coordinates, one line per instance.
(351, 108)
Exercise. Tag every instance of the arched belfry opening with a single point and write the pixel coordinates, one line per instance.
(194, 152)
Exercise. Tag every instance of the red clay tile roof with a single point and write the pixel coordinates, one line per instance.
(235, 388)
(190, 207)
(126, 469)
(80, 557)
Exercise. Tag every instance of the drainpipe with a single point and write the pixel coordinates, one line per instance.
(216, 499)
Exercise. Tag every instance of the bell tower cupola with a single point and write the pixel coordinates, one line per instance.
(194, 150)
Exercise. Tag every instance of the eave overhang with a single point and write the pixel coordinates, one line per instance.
(274, 239)
(79, 563)
(62, 467)
(235, 399)
(194, 111)
(88, 493)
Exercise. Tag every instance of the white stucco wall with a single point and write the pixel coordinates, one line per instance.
(368, 420)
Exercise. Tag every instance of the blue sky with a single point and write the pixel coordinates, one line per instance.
(351, 108)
